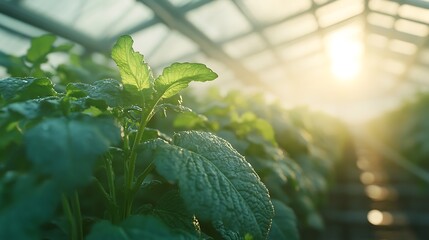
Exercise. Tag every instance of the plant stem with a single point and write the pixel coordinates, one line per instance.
(131, 161)
(112, 191)
(77, 215)
(70, 218)
(142, 176)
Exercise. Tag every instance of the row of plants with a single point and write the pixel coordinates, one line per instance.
(406, 129)
(86, 155)
(294, 151)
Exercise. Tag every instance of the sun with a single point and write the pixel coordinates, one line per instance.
(345, 56)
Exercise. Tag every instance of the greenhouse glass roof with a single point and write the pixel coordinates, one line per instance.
(334, 55)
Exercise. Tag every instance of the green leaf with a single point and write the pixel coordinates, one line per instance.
(284, 223)
(31, 109)
(189, 120)
(66, 148)
(63, 47)
(25, 204)
(216, 183)
(177, 77)
(18, 89)
(40, 48)
(15, 65)
(134, 71)
(108, 90)
(172, 211)
(133, 228)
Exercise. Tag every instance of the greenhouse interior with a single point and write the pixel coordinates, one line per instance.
(214, 119)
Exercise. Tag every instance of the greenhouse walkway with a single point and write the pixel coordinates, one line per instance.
(378, 195)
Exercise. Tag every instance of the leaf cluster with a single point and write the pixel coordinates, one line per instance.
(78, 159)
(294, 157)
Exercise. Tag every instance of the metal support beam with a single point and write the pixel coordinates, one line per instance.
(166, 12)
(417, 3)
(49, 25)
(14, 31)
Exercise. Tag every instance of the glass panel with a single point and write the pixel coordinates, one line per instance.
(219, 20)
(377, 40)
(415, 13)
(300, 49)
(338, 11)
(385, 6)
(273, 74)
(351, 32)
(244, 46)
(307, 63)
(96, 18)
(413, 28)
(419, 73)
(260, 61)
(381, 20)
(148, 40)
(274, 10)
(137, 13)
(172, 47)
(394, 66)
(294, 28)
(12, 44)
(402, 47)
(424, 56)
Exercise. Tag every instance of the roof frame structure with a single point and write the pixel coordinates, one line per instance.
(174, 18)
(177, 21)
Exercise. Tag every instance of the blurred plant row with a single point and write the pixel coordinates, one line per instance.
(406, 129)
(84, 155)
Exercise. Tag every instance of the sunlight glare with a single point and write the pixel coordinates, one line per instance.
(345, 55)
(377, 217)
(367, 178)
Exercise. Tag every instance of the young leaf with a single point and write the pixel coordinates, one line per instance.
(134, 71)
(66, 148)
(284, 223)
(40, 48)
(216, 183)
(177, 77)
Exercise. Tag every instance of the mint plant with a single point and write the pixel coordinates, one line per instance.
(79, 161)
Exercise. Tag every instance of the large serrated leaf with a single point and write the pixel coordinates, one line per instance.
(134, 71)
(284, 223)
(177, 77)
(66, 148)
(216, 183)
(133, 228)
(172, 211)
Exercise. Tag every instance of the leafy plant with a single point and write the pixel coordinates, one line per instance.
(79, 160)
(406, 129)
(292, 154)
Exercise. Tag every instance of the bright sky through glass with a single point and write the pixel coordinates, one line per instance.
(346, 56)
